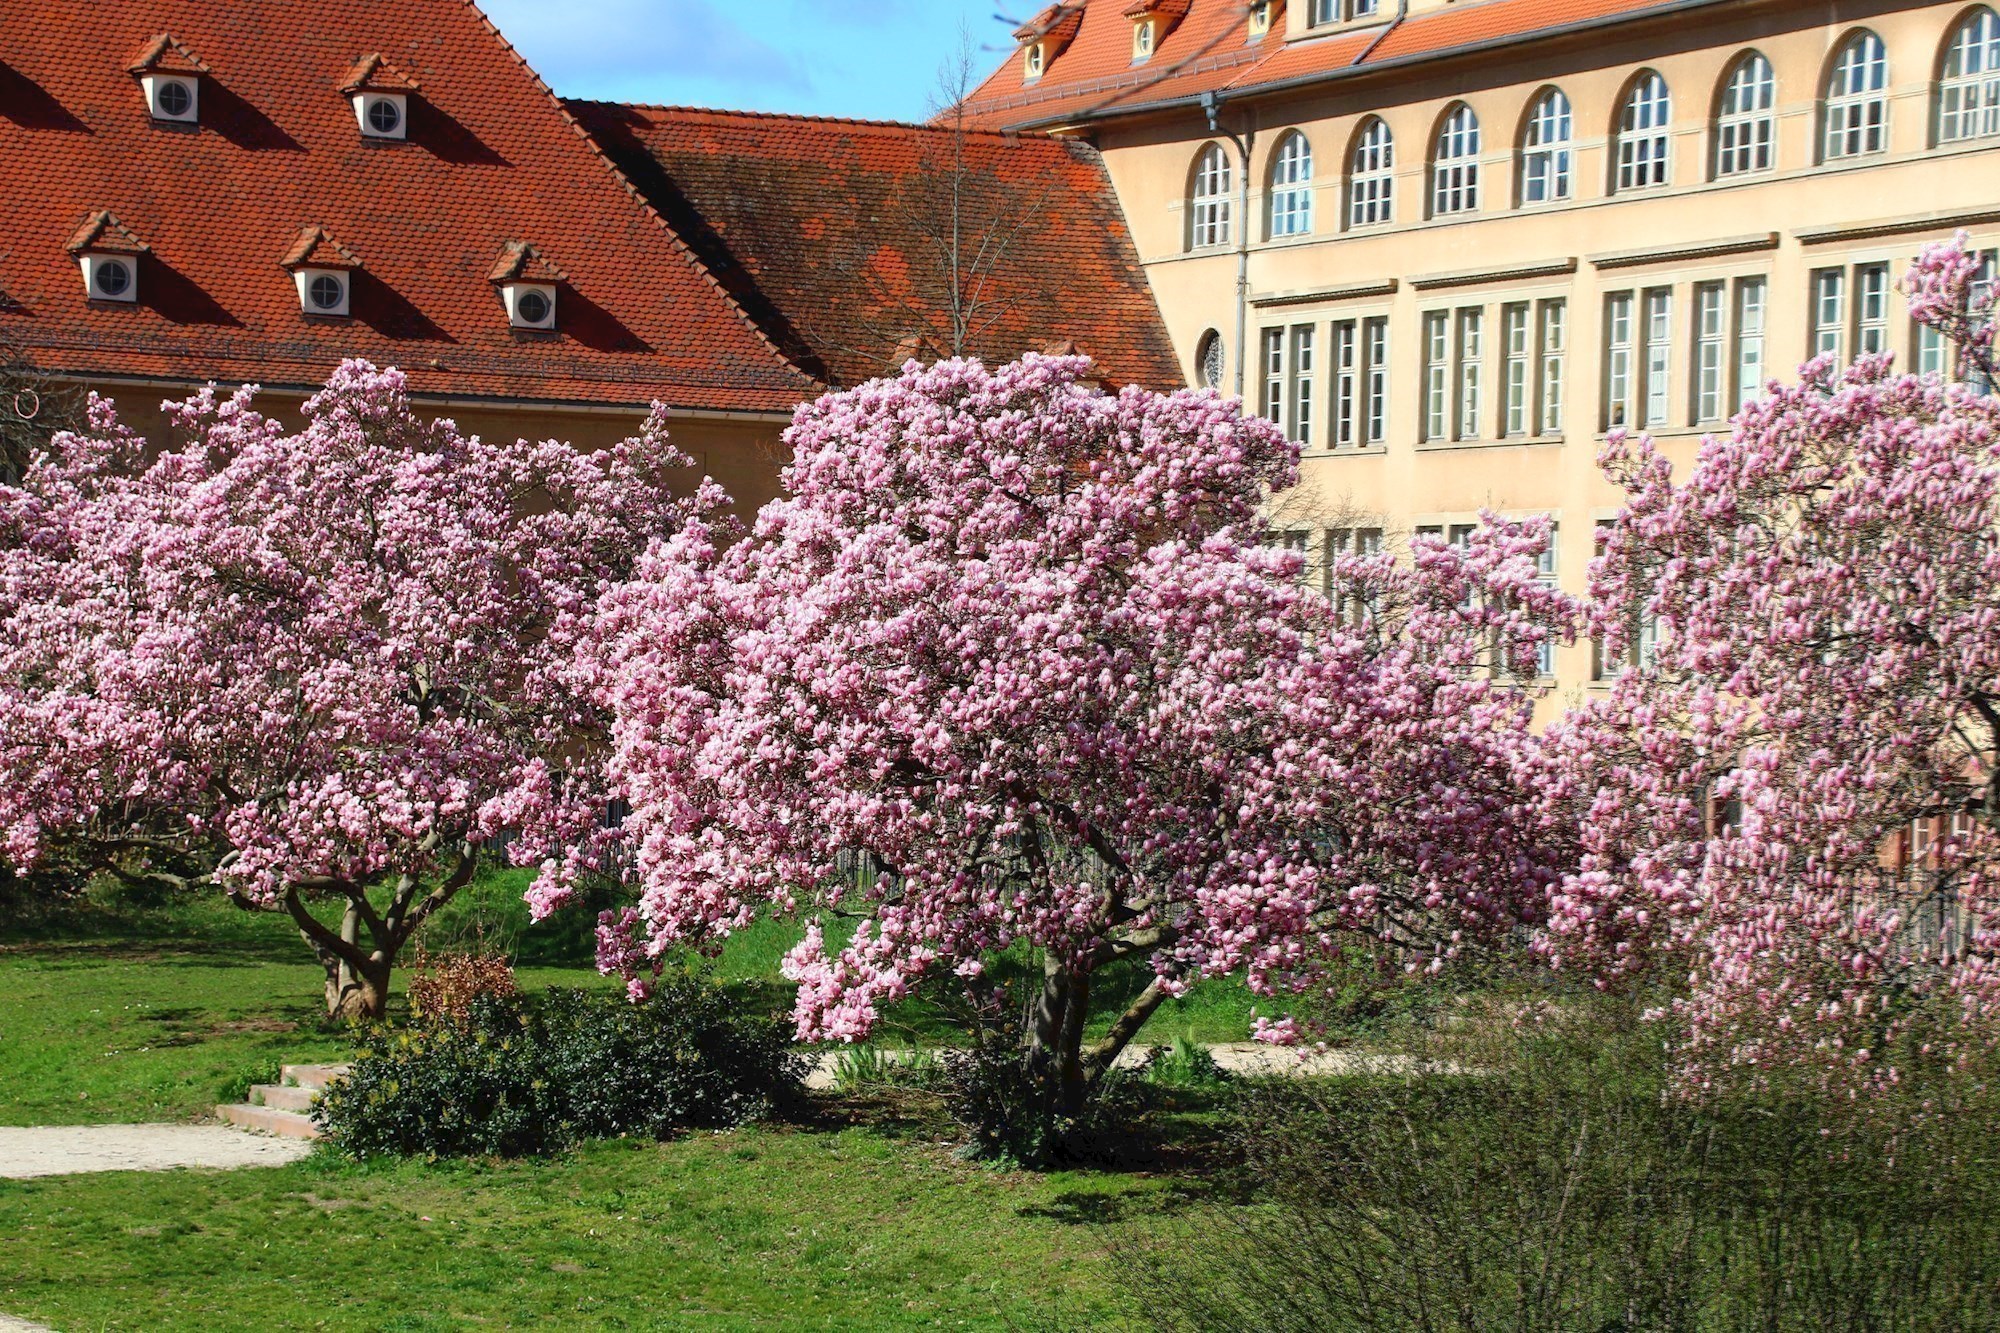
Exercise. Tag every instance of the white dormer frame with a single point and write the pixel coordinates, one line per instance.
(1034, 60)
(521, 299)
(1260, 19)
(365, 114)
(110, 277)
(156, 86)
(308, 301)
(1145, 36)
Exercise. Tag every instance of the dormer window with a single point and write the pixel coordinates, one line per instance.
(323, 271)
(381, 96)
(1260, 18)
(170, 78)
(527, 284)
(1142, 40)
(1152, 20)
(109, 255)
(1046, 35)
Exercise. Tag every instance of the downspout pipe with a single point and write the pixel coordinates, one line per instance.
(1402, 12)
(1211, 103)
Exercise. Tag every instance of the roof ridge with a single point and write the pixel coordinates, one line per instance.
(678, 243)
(865, 122)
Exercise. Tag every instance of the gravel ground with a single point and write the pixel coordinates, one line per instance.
(29, 1153)
(9, 1324)
(1245, 1058)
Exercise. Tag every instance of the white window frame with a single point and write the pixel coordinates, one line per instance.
(1829, 313)
(1658, 360)
(1620, 360)
(1455, 163)
(1470, 347)
(1517, 385)
(1291, 197)
(1645, 135)
(1872, 285)
(1371, 176)
(1552, 331)
(1855, 119)
(1969, 89)
(1209, 203)
(1436, 406)
(1746, 120)
(1752, 312)
(1547, 158)
(1711, 352)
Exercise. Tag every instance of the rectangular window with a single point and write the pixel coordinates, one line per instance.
(1709, 347)
(1555, 343)
(1471, 354)
(1375, 342)
(1931, 356)
(1437, 366)
(1514, 335)
(1360, 382)
(1750, 319)
(1346, 384)
(1829, 313)
(1545, 570)
(1871, 308)
(1300, 426)
(1274, 375)
(1618, 369)
(1659, 351)
(1341, 543)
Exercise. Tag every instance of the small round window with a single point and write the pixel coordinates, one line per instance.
(533, 308)
(1210, 357)
(175, 99)
(384, 116)
(326, 292)
(114, 277)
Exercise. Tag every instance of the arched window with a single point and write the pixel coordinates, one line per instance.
(1745, 128)
(1291, 187)
(1210, 211)
(1371, 177)
(1455, 165)
(1208, 358)
(1857, 100)
(1545, 150)
(1642, 134)
(1969, 90)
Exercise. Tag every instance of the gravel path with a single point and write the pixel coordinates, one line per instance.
(28, 1153)
(9, 1324)
(1242, 1058)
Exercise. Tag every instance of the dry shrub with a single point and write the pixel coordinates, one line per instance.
(443, 987)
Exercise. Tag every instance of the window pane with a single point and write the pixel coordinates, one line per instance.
(1377, 340)
(1618, 360)
(1857, 103)
(1659, 348)
(1749, 341)
(1471, 354)
(1455, 188)
(1436, 360)
(1555, 335)
(1708, 353)
(1371, 184)
(1642, 135)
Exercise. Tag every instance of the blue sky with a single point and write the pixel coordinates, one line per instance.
(873, 58)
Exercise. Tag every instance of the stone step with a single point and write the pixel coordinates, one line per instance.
(270, 1120)
(284, 1099)
(315, 1077)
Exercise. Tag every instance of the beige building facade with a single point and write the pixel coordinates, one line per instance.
(1449, 276)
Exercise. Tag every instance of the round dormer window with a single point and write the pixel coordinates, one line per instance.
(384, 116)
(533, 308)
(174, 99)
(326, 292)
(114, 277)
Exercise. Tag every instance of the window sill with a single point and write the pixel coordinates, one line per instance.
(1350, 451)
(1505, 442)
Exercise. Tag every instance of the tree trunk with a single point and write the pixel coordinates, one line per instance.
(358, 995)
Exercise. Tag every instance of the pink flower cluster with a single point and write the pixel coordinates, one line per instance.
(311, 659)
(1017, 664)
(1826, 587)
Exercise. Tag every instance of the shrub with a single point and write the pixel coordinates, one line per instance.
(522, 1076)
(1555, 1187)
(443, 989)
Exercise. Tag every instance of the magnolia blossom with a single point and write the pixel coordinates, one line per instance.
(1826, 588)
(1016, 664)
(331, 662)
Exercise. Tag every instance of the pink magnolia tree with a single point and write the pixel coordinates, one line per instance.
(330, 666)
(1016, 667)
(1825, 584)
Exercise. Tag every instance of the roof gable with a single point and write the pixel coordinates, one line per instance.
(103, 234)
(833, 234)
(316, 248)
(491, 157)
(164, 55)
(373, 74)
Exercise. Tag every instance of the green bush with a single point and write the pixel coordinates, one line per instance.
(1547, 1181)
(520, 1077)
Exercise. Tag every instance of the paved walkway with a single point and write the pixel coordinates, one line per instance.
(26, 1154)
(1244, 1058)
(9, 1324)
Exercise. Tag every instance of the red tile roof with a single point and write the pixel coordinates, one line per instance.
(1211, 51)
(164, 55)
(103, 234)
(316, 248)
(831, 232)
(374, 74)
(492, 158)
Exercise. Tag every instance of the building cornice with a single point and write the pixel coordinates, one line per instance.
(1554, 268)
(1323, 296)
(1734, 245)
(1868, 231)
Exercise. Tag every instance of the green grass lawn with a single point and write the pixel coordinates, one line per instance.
(759, 1229)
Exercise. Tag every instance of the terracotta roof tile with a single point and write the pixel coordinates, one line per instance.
(1211, 52)
(103, 234)
(492, 156)
(832, 232)
(373, 74)
(521, 262)
(164, 55)
(316, 248)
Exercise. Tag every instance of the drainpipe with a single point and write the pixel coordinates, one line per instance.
(1402, 12)
(1211, 102)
